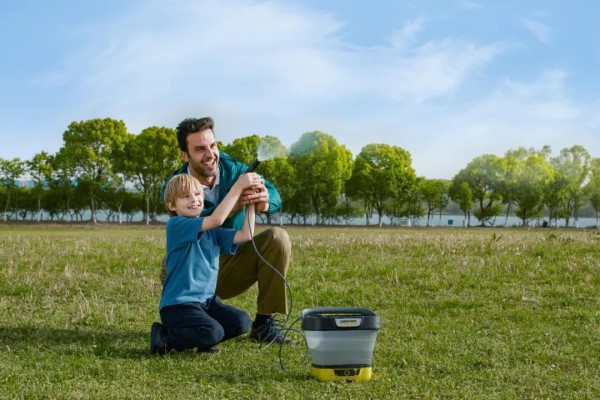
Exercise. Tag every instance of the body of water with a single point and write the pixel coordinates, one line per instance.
(451, 221)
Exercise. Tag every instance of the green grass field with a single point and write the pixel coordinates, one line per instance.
(466, 314)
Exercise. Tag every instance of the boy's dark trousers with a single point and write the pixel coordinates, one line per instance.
(202, 325)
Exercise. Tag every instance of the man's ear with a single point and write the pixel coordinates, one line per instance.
(184, 156)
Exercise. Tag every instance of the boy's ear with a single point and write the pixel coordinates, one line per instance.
(171, 206)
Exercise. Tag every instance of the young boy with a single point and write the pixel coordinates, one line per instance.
(192, 316)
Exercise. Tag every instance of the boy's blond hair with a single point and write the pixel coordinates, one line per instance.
(180, 185)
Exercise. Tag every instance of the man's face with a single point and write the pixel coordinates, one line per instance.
(202, 155)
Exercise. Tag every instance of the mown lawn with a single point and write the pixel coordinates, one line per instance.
(466, 314)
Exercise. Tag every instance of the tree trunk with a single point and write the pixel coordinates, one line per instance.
(93, 210)
(6, 207)
(507, 212)
(147, 213)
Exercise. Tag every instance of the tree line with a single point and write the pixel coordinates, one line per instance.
(103, 167)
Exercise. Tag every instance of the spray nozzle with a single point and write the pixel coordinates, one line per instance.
(253, 166)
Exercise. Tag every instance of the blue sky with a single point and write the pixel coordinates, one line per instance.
(445, 80)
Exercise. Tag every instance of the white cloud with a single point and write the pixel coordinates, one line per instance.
(407, 35)
(257, 57)
(237, 51)
(544, 98)
(436, 68)
(443, 139)
(518, 114)
(470, 5)
(539, 30)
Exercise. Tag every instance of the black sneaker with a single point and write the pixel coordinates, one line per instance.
(210, 350)
(157, 341)
(269, 332)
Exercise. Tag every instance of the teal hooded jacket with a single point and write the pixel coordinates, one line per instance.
(229, 172)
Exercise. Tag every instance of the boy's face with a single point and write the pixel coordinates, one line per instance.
(190, 204)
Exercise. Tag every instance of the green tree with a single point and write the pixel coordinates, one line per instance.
(95, 145)
(27, 204)
(381, 173)
(555, 197)
(133, 203)
(484, 177)
(40, 170)
(322, 167)
(462, 195)
(412, 199)
(54, 204)
(80, 201)
(528, 173)
(593, 188)
(434, 193)
(355, 190)
(299, 207)
(348, 209)
(10, 172)
(243, 149)
(62, 183)
(148, 169)
(572, 167)
(112, 197)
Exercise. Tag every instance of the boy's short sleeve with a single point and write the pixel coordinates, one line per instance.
(224, 237)
(182, 230)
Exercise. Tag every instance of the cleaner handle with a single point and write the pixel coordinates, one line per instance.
(337, 310)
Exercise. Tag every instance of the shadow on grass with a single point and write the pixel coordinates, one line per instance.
(76, 341)
(120, 344)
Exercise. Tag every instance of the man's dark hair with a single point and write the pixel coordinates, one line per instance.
(192, 125)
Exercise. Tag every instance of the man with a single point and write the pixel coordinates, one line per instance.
(217, 172)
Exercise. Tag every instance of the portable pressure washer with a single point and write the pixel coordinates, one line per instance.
(341, 341)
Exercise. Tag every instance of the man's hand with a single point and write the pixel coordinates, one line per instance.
(258, 196)
(256, 193)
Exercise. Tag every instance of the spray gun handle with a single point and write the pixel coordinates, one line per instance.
(337, 310)
(253, 166)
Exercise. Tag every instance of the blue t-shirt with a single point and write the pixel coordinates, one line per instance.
(193, 260)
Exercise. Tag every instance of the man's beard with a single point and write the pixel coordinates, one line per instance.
(203, 172)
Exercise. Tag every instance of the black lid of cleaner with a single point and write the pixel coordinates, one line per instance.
(339, 318)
